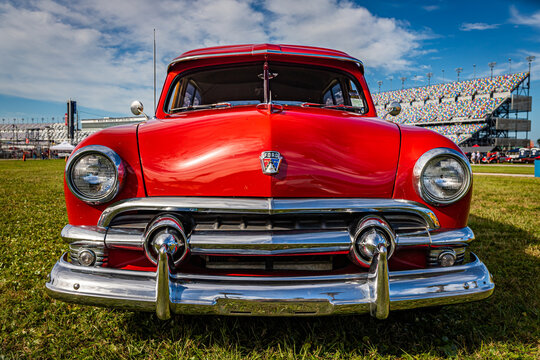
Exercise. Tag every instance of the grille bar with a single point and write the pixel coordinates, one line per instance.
(269, 206)
(269, 243)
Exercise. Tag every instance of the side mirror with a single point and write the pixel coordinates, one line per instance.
(394, 108)
(137, 108)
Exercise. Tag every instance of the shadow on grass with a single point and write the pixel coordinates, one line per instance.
(510, 316)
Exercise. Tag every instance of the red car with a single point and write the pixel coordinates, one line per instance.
(266, 185)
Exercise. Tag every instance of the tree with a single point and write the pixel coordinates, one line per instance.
(538, 142)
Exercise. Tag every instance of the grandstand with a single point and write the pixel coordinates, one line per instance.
(473, 112)
(38, 137)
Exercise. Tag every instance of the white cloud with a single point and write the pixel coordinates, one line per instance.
(379, 42)
(519, 19)
(477, 26)
(100, 52)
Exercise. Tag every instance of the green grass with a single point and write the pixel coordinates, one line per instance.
(505, 218)
(503, 169)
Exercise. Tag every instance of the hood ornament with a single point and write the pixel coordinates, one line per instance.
(270, 161)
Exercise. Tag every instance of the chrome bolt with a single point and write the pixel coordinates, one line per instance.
(76, 286)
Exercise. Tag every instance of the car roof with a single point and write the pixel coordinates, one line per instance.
(260, 49)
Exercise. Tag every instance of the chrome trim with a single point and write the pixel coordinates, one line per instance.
(269, 206)
(454, 237)
(435, 254)
(268, 243)
(274, 296)
(379, 284)
(100, 253)
(124, 238)
(109, 154)
(393, 109)
(461, 236)
(165, 221)
(262, 52)
(137, 108)
(373, 222)
(418, 172)
(90, 234)
(256, 242)
(163, 309)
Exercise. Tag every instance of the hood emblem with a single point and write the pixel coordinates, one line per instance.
(270, 161)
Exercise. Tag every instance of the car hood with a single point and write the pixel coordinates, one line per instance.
(326, 153)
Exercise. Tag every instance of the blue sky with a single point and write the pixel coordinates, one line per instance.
(100, 52)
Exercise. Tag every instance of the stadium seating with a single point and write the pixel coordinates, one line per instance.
(502, 83)
(455, 102)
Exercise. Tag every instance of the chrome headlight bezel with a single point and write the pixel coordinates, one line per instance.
(426, 159)
(112, 157)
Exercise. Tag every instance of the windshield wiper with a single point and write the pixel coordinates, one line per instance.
(203, 106)
(308, 104)
(344, 107)
(335, 107)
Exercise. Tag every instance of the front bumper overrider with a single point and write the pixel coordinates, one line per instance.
(375, 292)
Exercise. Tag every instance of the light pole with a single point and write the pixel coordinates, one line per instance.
(474, 71)
(443, 76)
(391, 78)
(16, 131)
(429, 75)
(403, 82)
(379, 83)
(491, 66)
(530, 59)
(509, 65)
(458, 70)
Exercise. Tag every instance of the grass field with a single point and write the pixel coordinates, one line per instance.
(503, 169)
(505, 217)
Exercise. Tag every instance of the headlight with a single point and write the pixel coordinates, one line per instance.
(94, 174)
(442, 176)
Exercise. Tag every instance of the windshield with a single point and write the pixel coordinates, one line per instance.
(286, 84)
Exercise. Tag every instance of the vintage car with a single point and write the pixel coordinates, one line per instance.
(266, 185)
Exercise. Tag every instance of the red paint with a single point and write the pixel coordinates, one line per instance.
(231, 50)
(129, 259)
(408, 258)
(326, 153)
(416, 141)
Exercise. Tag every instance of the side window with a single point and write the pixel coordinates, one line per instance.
(354, 94)
(334, 95)
(337, 92)
(173, 101)
(327, 98)
(184, 98)
(191, 96)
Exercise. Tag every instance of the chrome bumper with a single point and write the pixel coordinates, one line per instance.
(375, 292)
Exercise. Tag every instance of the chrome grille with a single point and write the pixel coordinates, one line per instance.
(245, 228)
(401, 223)
(272, 263)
